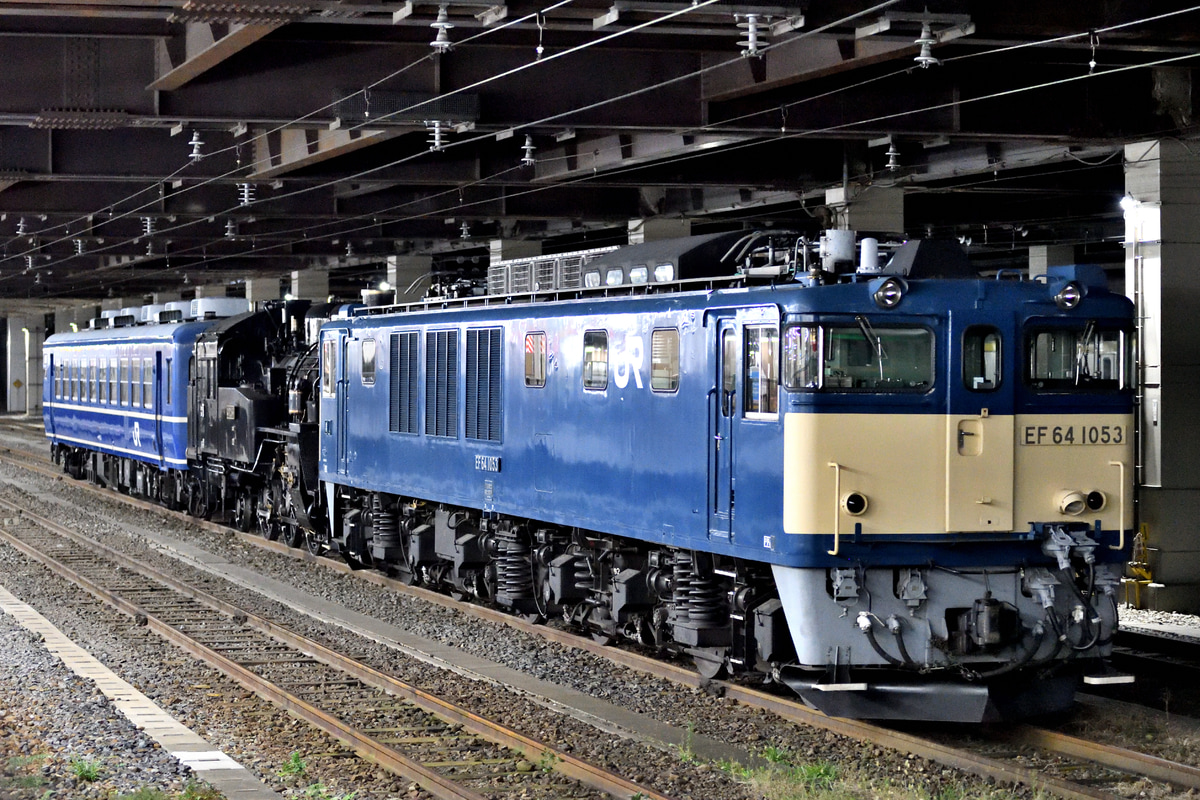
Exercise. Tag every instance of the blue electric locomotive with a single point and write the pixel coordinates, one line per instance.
(883, 489)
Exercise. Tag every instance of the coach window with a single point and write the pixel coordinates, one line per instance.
(664, 360)
(112, 380)
(136, 382)
(147, 383)
(72, 380)
(595, 359)
(93, 391)
(368, 362)
(167, 379)
(981, 359)
(535, 359)
(760, 376)
(102, 381)
(123, 381)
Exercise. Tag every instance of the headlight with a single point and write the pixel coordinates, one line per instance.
(1069, 296)
(1072, 503)
(890, 293)
(855, 504)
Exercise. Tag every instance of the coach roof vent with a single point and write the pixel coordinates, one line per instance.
(214, 307)
(100, 323)
(149, 313)
(184, 307)
(170, 315)
(124, 321)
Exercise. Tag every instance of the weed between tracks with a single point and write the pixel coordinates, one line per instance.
(787, 778)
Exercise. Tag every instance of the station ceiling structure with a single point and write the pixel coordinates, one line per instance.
(148, 145)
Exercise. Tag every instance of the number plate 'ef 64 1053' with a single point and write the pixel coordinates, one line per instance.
(1072, 434)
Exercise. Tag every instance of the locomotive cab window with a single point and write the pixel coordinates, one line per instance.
(664, 360)
(858, 357)
(981, 359)
(535, 359)
(1081, 358)
(760, 372)
(368, 362)
(595, 359)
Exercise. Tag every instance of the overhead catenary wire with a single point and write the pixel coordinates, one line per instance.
(790, 134)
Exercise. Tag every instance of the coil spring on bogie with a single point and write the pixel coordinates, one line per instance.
(681, 586)
(514, 564)
(697, 597)
(385, 523)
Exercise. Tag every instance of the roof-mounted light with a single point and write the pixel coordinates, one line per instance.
(1069, 296)
(889, 292)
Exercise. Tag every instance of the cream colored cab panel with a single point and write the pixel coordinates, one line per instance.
(1060, 458)
(979, 474)
(896, 461)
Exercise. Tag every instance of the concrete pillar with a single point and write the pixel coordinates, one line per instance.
(310, 284)
(14, 365)
(869, 209)
(656, 229)
(404, 273)
(505, 249)
(259, 289)
(34, 335)
(1162, 184)
(1042, 256)
(80, 316)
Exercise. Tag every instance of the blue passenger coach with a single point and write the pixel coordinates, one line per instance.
(115, 401)
(910, 472)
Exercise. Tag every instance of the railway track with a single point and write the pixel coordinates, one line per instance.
(1011, 749)
(447, 750)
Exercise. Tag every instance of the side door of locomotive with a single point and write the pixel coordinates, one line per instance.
(743, 413)
(334, 408)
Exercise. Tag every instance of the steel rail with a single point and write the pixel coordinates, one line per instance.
(983, 766)
(533, 750)
(365, 746)
(1117, 758)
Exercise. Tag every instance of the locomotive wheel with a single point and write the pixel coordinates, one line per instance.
(266, 525)
(243, 512)
(293, 536)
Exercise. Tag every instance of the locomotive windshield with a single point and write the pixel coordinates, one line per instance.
(1083, 358)
(857, 357)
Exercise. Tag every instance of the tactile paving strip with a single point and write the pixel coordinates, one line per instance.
(234, 780)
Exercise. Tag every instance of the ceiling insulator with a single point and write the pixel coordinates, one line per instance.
(150, 248)
(186, 279)
(465, 230)
(147, 226)
(245, 193)
(927, 40)
(528, 147)
(441, 42)
(230, 229)
(754, 36)
(893, 155)
(437, 136)
(21, 229)
(196, 143)
(349, 250)
(37, 278)
(28, 264)
(80, 246)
